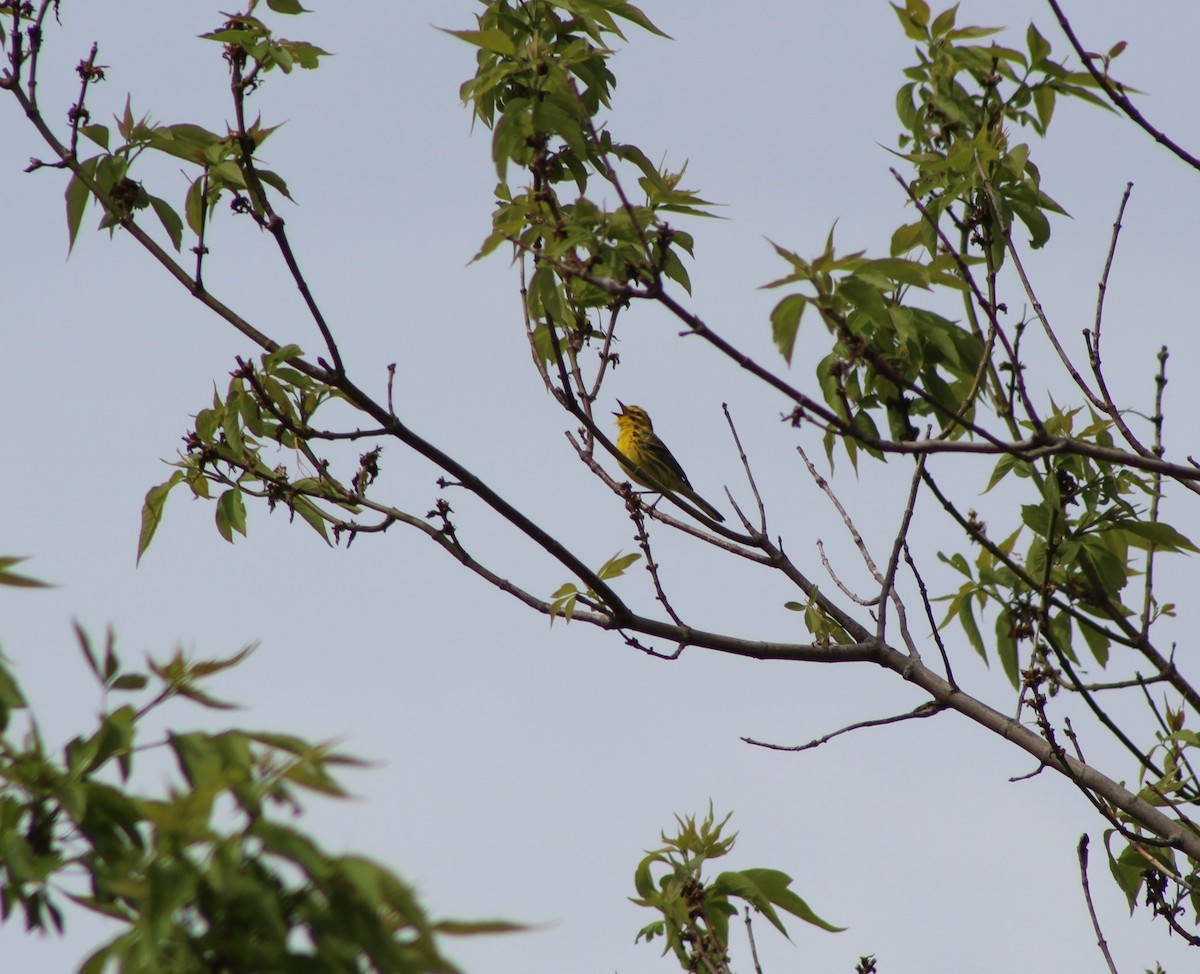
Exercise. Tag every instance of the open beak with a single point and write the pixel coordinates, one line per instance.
(623, 408)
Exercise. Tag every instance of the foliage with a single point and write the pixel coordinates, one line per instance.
(922, 360)
(207, 876)
(695, 912)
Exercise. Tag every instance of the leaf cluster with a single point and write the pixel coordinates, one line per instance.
(207, 876)
(232, 446)
(696, 910)
(542, 79)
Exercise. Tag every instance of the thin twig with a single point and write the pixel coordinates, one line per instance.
(605, 354)
(1102, 286)
(933, 626)
(636, 513)
(1117, 97)
(927, 709)
(753, 949)
(842, 586)
(887, 590)
(1137, 681)
(737, 440)
(857, 538)
(1156, 493)
(88, 72)
(1082, 850)
(1092, 342)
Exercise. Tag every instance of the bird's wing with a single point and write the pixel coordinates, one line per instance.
(669, 459)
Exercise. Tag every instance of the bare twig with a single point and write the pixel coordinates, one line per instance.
(737, 440)
(1082, 850)
(887, 591)
(637, 513)
(842, 586)
(857, 538)
(753, 948)
(1102, 286)
(927, 709)
(933, 626)
(605, 354)
(1092, 342)
(1156, 493)
(1137, 681)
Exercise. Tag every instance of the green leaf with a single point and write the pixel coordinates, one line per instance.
(1038, 46)
(1004, 466)
(1162, 536)
(77, 197)
(634, 15)
(966, 618)
(208, 667)
(152, 511)
(112, 663)
(616, 565)
(564, 602)
(306, 55)
(944, 21)
(272, 360)
(1006, 648)
(495, 40)
(8, 577)
(312, 517)
(85, 645)
(918, 10)
(908, 237)
(194, 204)
(275, 181)
(785, 323)
(169, 219)
(97, 133)
(1043, 100)
(1037, 517)
(470, 928)
(1097, 642)
(231, 514)
(764, 888)
(11, 697)
(287, 6)
(1128, 869)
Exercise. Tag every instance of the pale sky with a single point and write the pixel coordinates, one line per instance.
(523, 769)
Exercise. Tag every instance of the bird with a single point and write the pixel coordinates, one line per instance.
(646, 459)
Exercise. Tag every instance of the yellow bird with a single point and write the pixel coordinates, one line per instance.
(656, 467)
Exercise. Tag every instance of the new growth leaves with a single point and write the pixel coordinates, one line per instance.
(694, 908)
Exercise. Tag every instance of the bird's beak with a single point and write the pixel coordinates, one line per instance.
(623, 408)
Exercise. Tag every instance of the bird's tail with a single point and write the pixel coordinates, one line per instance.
(701, 503)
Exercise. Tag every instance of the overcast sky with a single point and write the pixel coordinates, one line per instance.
(523, 769)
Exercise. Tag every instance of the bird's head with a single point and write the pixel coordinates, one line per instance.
(633, 416)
